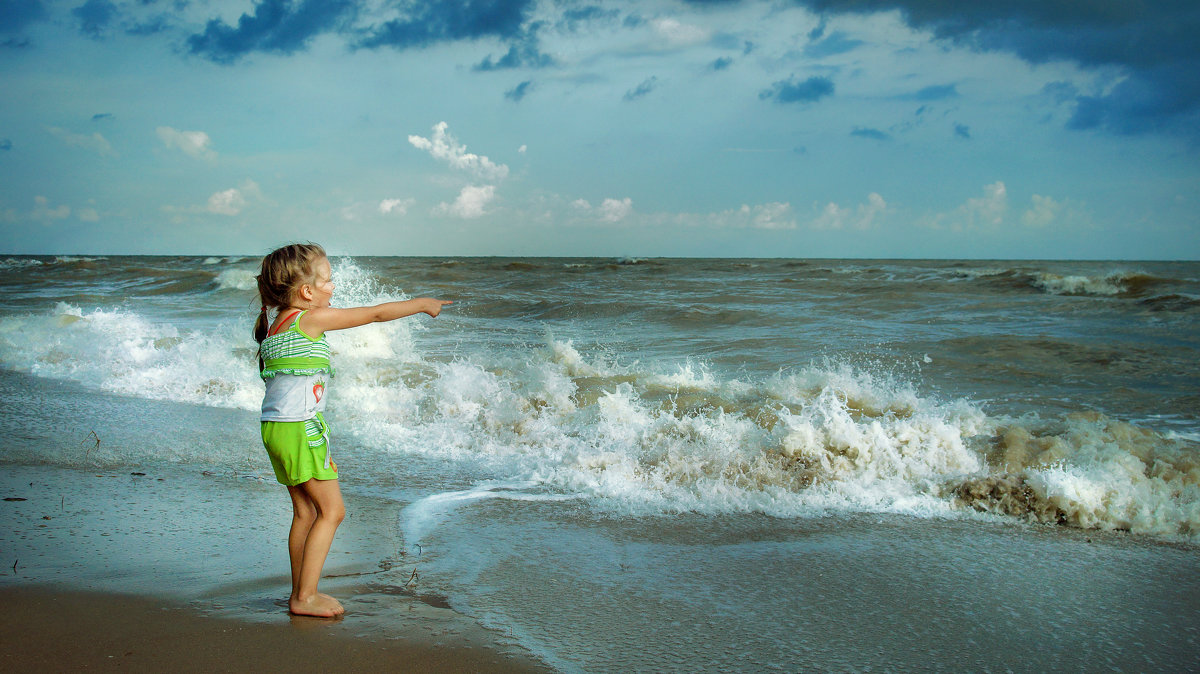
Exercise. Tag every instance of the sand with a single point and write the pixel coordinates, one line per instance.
(52, 629)
(181, 569)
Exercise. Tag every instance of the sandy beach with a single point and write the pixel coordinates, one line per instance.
(143, 571)
(53, 629)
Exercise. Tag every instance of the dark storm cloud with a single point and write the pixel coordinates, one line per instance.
(791, 91)
(94, 17)
(434, 21)
(278, 26)
(16, 15)
(873, 134)
(1157, 42)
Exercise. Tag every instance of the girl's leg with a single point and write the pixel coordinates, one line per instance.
(326, 498)
(304, 513)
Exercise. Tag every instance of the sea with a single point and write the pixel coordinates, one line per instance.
(694, 464)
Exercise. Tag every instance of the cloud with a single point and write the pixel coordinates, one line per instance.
(5, 144)
(642, 89)
(986, 211)
(470, 202)
(792, 91)
(990, 208)
(95, 142)
(441, 145)
(774, 215)
(873, 134)
(837, 43)
(522, 149)
(232, 201)
(1043, 212)
(16, 15)
(962, 131)
(433, 21)
(518, 92)
(153, 26)
(721, 63)
(94, 17)
(859, 217)
(934, 93)
(1155, 45)
(615, 210)
(524, 52)
(88, 215)
(277, 26)
(101, 116)
(193, 143)
(227, 202)
(572, 19)
(396, 206)
(679, 34)
(42, 210)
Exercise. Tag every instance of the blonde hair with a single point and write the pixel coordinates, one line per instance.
(284, 270)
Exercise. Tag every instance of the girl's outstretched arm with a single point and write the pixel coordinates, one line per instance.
(321, 320)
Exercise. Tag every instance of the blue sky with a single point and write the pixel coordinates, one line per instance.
(799, 128)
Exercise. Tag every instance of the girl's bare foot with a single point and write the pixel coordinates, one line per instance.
(320, 605)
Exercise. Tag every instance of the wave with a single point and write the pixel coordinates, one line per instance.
(647, 438)
(20, 263)
(237, 278)
(1132, 284)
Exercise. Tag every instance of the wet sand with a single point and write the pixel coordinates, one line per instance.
(175, 568)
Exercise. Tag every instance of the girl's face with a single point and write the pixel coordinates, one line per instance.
(322, 286)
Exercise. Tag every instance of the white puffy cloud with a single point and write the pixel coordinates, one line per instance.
(678, 33)
(88, 215)
(441, 145)
(773, 215)
(95, 142)
(43, 211)
(862, 216)
(1043, 212)
(396, 206)
(990, 208)
(470, 202)
(615, 210)
(193, 143)
(234, 199)
(226, 202)
(986, 211)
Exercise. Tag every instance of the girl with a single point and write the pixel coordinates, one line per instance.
(294, 362)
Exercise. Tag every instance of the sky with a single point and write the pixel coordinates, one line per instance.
(713, 128)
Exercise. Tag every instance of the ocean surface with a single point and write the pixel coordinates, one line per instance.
(657, 453)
